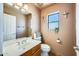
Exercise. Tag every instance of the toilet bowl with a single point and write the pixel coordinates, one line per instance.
(45, 49)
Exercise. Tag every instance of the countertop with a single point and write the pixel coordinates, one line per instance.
(17, 50)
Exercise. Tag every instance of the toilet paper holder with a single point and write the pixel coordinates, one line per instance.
(58, 40)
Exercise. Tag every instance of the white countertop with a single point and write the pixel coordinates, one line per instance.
(15, 50)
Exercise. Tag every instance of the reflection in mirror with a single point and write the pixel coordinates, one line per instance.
(53, 21)
(17, 24)
(9, 27)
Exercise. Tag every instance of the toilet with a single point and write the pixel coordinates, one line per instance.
(44, 47)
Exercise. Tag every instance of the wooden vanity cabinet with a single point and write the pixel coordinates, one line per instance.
(28, 53)
(35, 51)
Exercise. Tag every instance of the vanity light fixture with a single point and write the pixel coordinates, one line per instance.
(19, 4)
(17, 7)
(23, 10)
(66, 14)
(11, 4)
(25, 7)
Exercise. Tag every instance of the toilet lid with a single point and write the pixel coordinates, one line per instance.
(44, 46)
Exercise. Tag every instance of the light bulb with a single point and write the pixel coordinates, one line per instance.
(17, 7)
(25, 7)
(23, 10)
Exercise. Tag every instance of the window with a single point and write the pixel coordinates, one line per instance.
(53, 21)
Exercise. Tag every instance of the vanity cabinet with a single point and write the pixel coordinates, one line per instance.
(35, 51)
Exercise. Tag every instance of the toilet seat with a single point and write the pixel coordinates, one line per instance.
(44, 46)
(45, 49)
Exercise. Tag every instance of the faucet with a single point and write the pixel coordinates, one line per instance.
(18, 43)
(24, 41)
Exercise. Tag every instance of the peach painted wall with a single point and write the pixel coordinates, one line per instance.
(66, 33)
(35, 20)
(29, 30)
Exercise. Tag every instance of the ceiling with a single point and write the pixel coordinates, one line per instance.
(20, 7)
(42, 5)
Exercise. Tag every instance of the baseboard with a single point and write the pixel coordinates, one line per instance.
(51, 54)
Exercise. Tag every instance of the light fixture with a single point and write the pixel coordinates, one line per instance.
(25, 7)
(66, 14)
(11, 4)
(17, 7)
(19, 4)
(23, 10)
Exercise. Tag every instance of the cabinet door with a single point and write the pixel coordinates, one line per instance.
(12, 27)
(28, 53)
(37, 53)
(6, 27)
(36, 48)
(9, 27)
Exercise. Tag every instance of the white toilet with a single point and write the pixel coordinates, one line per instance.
(44, 47)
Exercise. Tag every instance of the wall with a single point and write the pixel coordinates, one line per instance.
(35, 20)
(1, 27)
(77, 24)
(29, 30)
(66, 33)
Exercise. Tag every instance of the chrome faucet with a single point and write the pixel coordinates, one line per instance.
(18, 43)
(24, 41)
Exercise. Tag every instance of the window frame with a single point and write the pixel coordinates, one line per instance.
(56, 12)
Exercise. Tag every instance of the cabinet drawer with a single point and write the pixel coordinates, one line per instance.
(36, 48)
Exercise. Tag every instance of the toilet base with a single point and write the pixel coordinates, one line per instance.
(44, 54)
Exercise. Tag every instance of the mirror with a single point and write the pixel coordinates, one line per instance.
(17, 24)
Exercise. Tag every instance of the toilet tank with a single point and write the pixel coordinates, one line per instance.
(37, 36)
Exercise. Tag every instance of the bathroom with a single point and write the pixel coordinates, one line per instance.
(31, 31)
